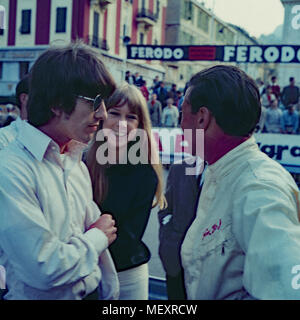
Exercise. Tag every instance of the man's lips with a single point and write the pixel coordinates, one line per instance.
(94, 127)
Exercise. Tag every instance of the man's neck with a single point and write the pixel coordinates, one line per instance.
(221, 146)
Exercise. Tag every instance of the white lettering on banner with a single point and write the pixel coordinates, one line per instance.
(298, 55)
(259, 54)
(137, 52)
(228, 53)
(142, 52)
(296, 19)
(272, 54)
(255, 54)
(149, 52)
(158, 53)
(242, 54)
(134, 52)
(178, 53)
(2, 278)
(287, 54)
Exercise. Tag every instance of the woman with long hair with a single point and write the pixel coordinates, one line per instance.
(127, 189)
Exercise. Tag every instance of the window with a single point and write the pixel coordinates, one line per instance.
(188, 12)
(61, 16)
(23, 69)
(203, 20)
(186, 38)
(157, 9)
(96, 30)
(141, 38)
(26, 21)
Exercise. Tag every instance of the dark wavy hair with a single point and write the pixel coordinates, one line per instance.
(230, 95)
(59, 75)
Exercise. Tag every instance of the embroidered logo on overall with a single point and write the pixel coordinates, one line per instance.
(210, 231)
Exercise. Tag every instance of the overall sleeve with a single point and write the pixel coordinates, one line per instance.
(266, 225)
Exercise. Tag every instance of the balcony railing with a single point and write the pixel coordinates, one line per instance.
(147, 17)
(98, 43)
(102, 3)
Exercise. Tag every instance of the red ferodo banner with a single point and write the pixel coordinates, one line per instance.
(234, 53)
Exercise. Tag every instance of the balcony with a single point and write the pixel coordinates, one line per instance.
(102, 3)
(146, 17)
(98, 43)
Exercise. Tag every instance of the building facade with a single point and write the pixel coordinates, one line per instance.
(189, 22)
(31, 26)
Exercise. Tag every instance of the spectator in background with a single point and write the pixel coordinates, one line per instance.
(179, 104)
(9, 133)
(162, 94)
(290, 120)
(144, 90)
(267, 97)
(173, 94)
(3, 115)
(170, 115)
(12, 114)
(180, 98)
(155, 83)
(261, 87)
(138, 80)
(154, 107)
(275, 87)
(273, 117)
(262, 120)
(290, 94)
(129, 78)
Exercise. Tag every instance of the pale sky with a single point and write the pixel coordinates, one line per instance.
(255, 16)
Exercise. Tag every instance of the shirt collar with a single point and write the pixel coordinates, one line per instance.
(224, 165)
(37, 142)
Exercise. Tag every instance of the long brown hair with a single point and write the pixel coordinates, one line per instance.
(137, 104)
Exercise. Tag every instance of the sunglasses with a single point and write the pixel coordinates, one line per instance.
(96, 102)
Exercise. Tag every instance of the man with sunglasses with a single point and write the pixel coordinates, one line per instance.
(53, 241)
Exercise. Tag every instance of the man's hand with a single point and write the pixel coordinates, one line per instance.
(106, 224)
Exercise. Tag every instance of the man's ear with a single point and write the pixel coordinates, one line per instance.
(203, 118)
(23, 98)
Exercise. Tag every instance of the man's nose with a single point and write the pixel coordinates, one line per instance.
(101, 113)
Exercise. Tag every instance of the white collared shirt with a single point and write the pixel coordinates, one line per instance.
(46, 207)
(245, 240)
